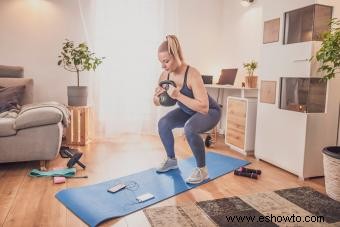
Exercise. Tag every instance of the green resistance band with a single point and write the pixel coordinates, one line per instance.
(68, 172)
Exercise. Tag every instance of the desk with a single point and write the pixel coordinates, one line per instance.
(226, 91)
(242, 91)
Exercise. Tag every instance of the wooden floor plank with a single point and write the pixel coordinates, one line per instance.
(35, 204)
(12, 176)
(31, 201)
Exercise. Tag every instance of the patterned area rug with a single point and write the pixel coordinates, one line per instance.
(300, 206)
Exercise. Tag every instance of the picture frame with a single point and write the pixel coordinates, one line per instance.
(271, 31)
(268, 91)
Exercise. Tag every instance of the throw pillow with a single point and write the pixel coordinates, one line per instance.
(10, 97)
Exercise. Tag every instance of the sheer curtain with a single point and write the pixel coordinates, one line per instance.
(128, 33)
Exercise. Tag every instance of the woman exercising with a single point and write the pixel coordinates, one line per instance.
(197, 111)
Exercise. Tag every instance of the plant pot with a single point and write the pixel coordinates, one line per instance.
(77, 96)
(331, 165)
(251, 81)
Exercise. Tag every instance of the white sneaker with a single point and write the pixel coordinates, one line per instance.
(198, 175)
(167, 164)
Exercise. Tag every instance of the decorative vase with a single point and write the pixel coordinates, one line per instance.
(251, 81)
(77, 95)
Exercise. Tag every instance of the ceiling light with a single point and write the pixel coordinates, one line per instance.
(246, 3)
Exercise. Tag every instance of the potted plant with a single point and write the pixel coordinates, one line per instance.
(77, 58)
(329, 58)
(251, 80)
(329, 53)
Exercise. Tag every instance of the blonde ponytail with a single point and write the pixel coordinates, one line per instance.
(172, 46)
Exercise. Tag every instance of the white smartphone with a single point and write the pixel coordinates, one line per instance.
(116, 188)
(145, 197)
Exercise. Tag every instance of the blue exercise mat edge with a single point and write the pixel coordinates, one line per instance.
(182, 163)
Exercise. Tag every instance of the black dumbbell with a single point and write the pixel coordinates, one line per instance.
(248, 170)
(243, 174)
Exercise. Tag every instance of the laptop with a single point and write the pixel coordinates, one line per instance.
(227, 77)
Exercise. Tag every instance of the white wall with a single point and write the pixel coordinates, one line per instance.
(214, 34)
(242, 36)
(200, 29)
(217, 34)
(32, 32)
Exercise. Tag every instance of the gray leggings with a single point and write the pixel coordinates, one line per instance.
(193, 125)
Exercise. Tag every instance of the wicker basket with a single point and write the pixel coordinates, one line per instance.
(331, 162)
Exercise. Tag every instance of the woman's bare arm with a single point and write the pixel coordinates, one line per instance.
(200, 102)
(159, 90)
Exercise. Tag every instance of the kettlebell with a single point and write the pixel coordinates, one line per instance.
(164, 98)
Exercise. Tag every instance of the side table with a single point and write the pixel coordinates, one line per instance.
(77, 131)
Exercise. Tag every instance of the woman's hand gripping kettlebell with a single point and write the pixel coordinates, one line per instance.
(158, 91)
(173, 92)
(164, 98)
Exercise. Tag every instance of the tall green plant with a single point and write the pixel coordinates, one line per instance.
(250, 67)
(78, 58)
(329, 53)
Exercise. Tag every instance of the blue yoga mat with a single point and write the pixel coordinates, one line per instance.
(93, 204)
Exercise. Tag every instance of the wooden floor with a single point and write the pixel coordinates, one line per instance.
(27, 201)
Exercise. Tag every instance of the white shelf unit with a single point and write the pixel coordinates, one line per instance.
(241, 124)
(293, 140)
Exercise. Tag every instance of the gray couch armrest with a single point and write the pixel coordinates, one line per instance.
(6, 127)
(38, 117)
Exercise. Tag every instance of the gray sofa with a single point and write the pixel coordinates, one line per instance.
(33, 133)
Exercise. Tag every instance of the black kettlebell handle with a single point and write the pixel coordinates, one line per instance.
(167, 82)
(164, 98)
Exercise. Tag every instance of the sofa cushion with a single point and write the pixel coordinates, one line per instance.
(38, 117)
(10, 97)
(6, 127)
(27, 82)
